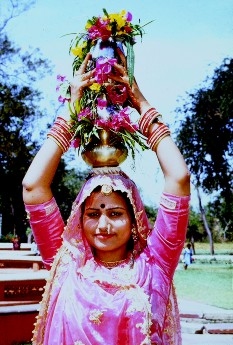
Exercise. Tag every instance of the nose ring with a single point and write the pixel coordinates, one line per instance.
(107, 229)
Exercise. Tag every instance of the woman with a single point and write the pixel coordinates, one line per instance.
(111, 277)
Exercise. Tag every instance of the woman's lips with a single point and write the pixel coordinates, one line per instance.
(104, 236)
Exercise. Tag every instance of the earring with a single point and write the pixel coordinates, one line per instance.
(134, 234)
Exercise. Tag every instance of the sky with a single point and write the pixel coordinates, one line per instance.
(183, 45)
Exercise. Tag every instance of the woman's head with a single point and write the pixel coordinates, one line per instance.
(98, 193)
(107, 221)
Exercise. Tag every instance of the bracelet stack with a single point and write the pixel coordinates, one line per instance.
(150, 116)
(61, 134)
(157, 135)
(161, 131)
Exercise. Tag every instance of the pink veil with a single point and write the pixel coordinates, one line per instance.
(119, 182)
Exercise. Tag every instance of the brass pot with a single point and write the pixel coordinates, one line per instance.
(108, 150)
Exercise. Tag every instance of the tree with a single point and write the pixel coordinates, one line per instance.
(195, 230)
(18, 108)
(205, 137)
(151, 214)
(66, 185)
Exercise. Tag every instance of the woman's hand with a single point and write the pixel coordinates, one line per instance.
(81, 80)
(136, 98)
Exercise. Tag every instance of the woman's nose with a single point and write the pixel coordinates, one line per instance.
(103, 223)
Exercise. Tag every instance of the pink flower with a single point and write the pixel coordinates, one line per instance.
(129, 17)
(75, 143)
(101, 103)
(85, 113)
(99, 30)
(63, 99)
(103, 123)
(117, 94)
(61, 77)
(103, 68)
(122, 120)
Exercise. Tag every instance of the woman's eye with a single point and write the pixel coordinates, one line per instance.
(116, 214)
(93, 214)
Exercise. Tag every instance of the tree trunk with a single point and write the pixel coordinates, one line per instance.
(206, 226)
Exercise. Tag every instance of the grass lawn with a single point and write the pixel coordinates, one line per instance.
(219, 248)
(207, 283)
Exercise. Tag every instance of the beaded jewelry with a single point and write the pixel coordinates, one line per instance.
(134, 234)
(61, 134)
(112, 264)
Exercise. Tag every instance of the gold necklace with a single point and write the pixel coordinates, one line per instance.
(112, 264)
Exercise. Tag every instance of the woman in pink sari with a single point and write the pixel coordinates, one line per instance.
(110, 273)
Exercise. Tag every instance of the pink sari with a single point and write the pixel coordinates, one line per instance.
(85, 303)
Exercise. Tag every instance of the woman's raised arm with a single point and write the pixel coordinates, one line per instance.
(176, 173)
(38, 179)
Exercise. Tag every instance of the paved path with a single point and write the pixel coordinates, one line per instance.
(195, 316)
(207, 339)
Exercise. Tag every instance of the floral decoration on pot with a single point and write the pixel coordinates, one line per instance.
(104, 105)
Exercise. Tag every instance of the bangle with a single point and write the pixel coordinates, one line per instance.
(157, 135)
(150, 116)
(61, 133)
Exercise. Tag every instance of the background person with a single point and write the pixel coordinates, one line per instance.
(16, 242)
(187, 256)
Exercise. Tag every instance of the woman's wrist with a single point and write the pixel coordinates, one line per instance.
(61, 133)
(152, 127)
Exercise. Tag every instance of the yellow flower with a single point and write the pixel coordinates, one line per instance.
(88, 25)
(78, 50)
(95, 87)
(119, 18)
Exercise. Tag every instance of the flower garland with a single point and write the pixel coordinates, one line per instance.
(103, 105)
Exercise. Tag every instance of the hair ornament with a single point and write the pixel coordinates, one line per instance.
(106, 189)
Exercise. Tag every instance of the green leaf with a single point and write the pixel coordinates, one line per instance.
(105, 12)
(130, 61)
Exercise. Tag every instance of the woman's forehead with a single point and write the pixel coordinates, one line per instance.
(99, 200)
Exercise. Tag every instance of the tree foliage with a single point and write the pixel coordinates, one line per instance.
(18, 109)
(205, 137)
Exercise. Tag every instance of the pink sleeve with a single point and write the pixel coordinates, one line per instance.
(167, 239)
(47, 226)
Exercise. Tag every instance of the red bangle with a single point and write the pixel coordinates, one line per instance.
(157, 135)
(61, 133)
(147, 119)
